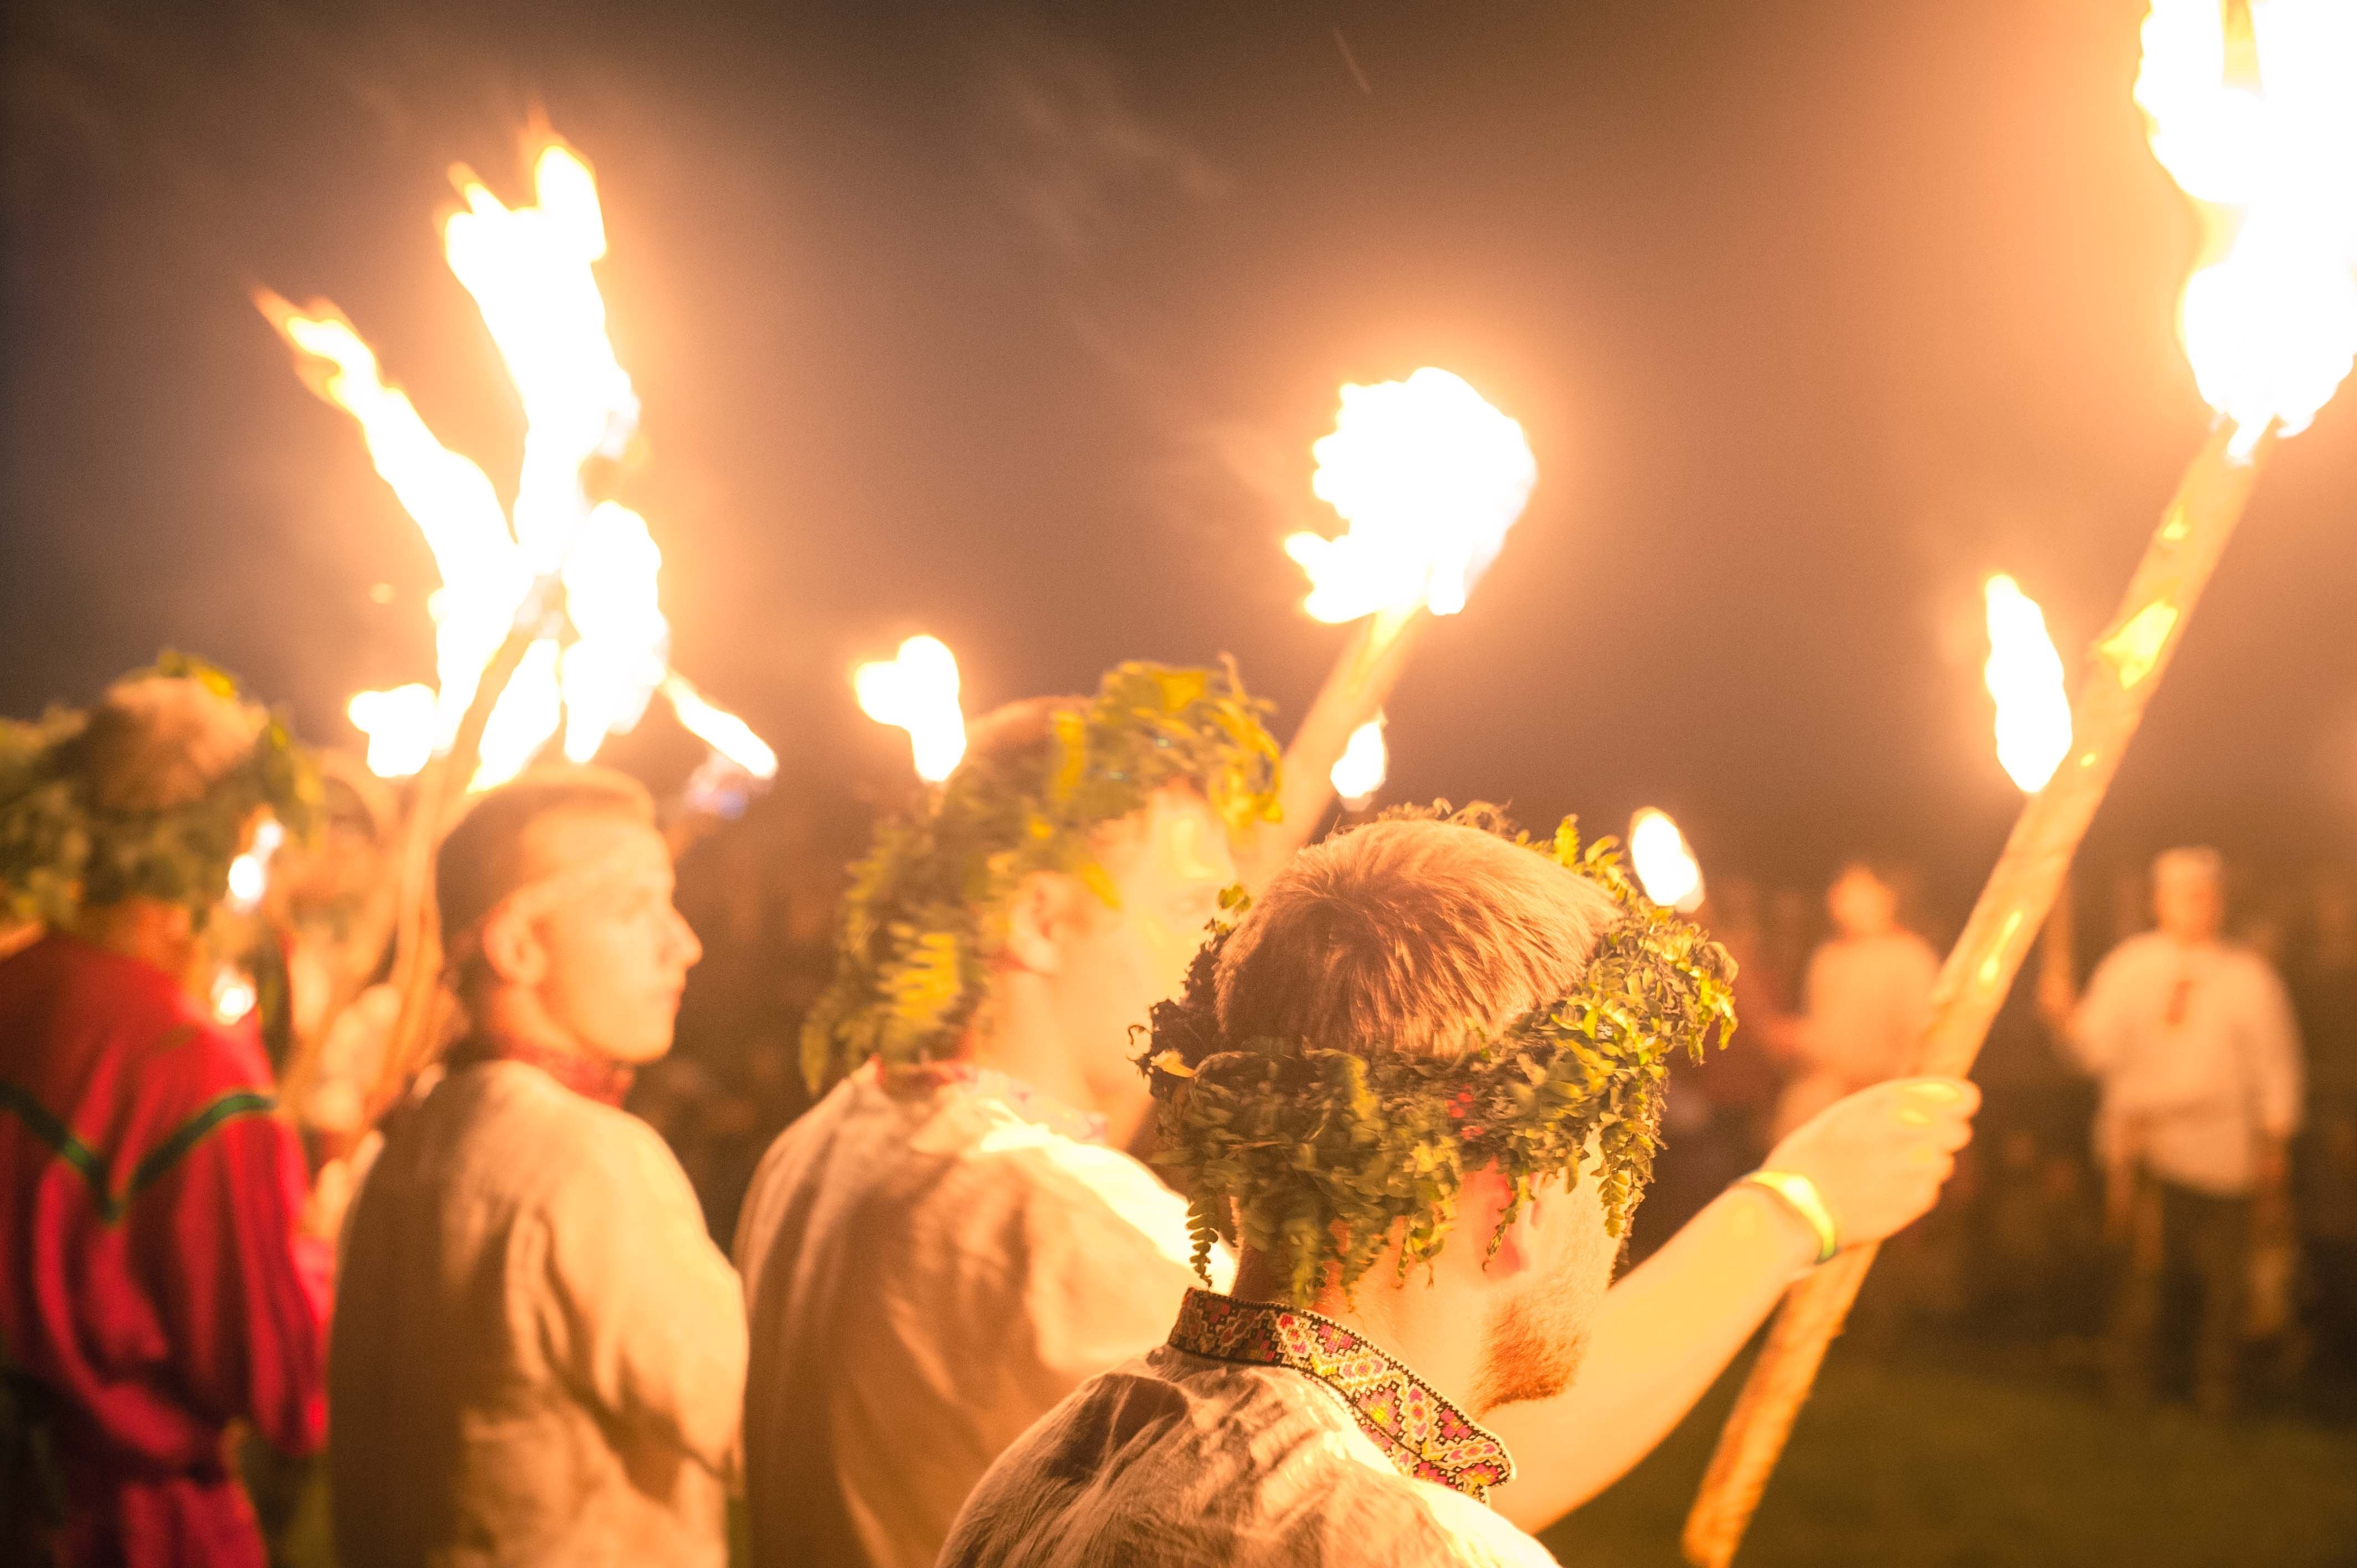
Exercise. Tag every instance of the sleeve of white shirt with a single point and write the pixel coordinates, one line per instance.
(643, 1311)
(2098, 1034)
(2278, 1074)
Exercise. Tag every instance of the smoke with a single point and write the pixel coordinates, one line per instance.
(1070, 150)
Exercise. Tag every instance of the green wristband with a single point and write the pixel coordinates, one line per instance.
(1800, 1195)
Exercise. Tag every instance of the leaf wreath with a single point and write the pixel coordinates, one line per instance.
(926, 908)
(1318, 1157)
(63, 845)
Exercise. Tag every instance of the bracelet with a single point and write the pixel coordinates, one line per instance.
(1800, 1194)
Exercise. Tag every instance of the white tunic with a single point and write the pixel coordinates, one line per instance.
(1255, 1457)
(538, 1355)
(2199, 1054)
(1867, 999)
(929, 1266)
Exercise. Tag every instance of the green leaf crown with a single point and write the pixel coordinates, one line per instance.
(926, 909)
(1319, 1156)
(64, 845)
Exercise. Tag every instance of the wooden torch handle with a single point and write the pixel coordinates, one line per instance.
(417, 949)
(1360, 683)
(2127, 665)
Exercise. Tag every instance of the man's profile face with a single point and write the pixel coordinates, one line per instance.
(2189, 904)
(617, 952)
(1168, 863)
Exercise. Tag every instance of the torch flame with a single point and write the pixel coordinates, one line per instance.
(529, 271)
(721, 730)
(1429, 477)
(2259, 128)
(2025, 675)
(249, 874)
(1359, 771)
(402, 726)
(1664, 862)
(917, 691)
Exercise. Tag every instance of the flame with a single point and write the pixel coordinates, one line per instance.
(2025, 675)
(917, 690)
(403, 726)
(529, 271)
(249, 874)
(232, 995)
(2260, 129)
(1664, 862)
(1365, 762)
(1429, 477)
(721, 730)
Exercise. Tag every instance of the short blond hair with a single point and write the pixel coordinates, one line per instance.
(1415, 936)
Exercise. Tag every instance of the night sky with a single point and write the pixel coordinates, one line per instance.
(1015, 324)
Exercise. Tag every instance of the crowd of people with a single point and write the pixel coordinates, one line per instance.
(1068, 1181)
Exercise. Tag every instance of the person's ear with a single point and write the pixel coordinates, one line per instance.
(1480, 1203)
(512, 948)
(1035, 919)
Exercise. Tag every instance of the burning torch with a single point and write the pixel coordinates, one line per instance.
(2253, 109)
(1428, 477)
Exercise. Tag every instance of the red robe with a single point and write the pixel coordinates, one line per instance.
(152, 1286)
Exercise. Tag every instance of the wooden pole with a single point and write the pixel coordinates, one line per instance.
(2129, 661)
(417, 948)
(1362, 681)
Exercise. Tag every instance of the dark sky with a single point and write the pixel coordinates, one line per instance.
(1016, 324)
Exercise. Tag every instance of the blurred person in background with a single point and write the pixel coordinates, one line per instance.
(2194, 1042)
(539, 1355)
(158, 1282)
(2324, 993)
(1863, 1002)
(330, 907)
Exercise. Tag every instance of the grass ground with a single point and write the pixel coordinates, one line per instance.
(1985, 1463)
(1955, 1465)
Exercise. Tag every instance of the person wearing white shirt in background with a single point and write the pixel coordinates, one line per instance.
(953, 1239)
(2196, 1046)
(1863, 1004)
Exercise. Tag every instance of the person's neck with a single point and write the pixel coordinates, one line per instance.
(505, 1016)
(1025, 1037)
(1421, 1323)
(148, 929)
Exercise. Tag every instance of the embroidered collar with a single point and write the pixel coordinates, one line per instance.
(1017, 1096)
(608, 1082)
(1420, 1431)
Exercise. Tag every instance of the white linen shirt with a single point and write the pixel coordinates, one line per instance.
(538, 1354)
(2199, 1054)
(1183, 1459)
(932, 1259)
(1867, 1000)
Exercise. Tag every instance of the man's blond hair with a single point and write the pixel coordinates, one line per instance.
(1415, 936)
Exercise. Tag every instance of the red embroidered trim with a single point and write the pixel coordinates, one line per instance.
(1419, 1430)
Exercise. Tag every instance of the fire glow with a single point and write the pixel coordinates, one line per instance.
(1665, 865)
(2259, 128)
(1365, 764)
(2024, 675)
(1428, 479)
(529, 271)
(917, 690)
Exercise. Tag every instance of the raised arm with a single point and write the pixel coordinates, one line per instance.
(1670, 1326)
